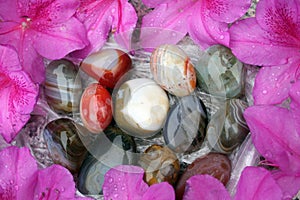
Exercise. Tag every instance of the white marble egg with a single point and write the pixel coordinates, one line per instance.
(140, 107)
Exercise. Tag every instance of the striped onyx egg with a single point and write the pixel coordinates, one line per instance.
(227, 128)
(62, 87)
(173, 70)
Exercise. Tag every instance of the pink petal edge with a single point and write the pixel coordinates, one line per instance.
(205, 187)
(18, 171)
(124, 182)
(257, 183)
(274, 136)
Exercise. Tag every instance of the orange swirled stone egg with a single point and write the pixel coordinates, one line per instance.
(173, 70)
(107, 66)
(96, 108)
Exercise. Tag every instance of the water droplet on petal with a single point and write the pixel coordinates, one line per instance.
(113, 10)
(264, 91)
(110, 180)
(222, 37)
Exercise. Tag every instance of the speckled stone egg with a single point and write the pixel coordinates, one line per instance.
(220, 73)
(64, 144)
(140, 107)
(185, 127)
(214, 164)
(227, 128)
(160, 164)
(62, 86)
(112, 148)
(173, 70)
(96, 108)
(107, 66)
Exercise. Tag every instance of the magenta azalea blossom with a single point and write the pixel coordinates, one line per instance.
(21, 179)
(39, 29)
(205, 20)
(254, 183)
(105, 16)
(276, 132)
(18, 94)
(271, 39)
(125, 182)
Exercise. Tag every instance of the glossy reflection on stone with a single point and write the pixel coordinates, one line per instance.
(185, 127)
(62, 86)
(220, 73)
(227, 128)
(214, 164)
(96, 108)
(160, 164)
(110, 149)
(140, 107)
(107, 66)
(173, 70)
(64, 144)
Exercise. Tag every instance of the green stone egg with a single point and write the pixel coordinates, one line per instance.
(110, 149)
(220, 73)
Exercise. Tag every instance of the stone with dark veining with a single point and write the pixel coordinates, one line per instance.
(64, 144)
(109, 149)
(227, 128)
(63, 87)
(220, 73)
(185, 127)
(214, 164)
(160, 164)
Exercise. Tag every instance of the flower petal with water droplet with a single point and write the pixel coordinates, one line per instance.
(101, 17)
(124, 182)
(18, 94)
(18, 173)
(272, 84)
(272, 37)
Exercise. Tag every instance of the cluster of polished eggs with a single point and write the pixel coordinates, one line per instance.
(121, 109)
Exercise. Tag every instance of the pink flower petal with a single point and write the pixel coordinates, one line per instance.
(167, 23)
(207, 32)
(124, 182)
(227, 10)
(18, 94)
(48, 27)
(8, 10)
(250, 43)
(280, 20)
(18, 173)
(289, 184)
(257, 183)
(55, 182)
(57, 40)
(154, 3)
(160, 191)
(295, 103)
(275, 137)
(272, 84)
(116, 15)
(55, 12)
(205, 187)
